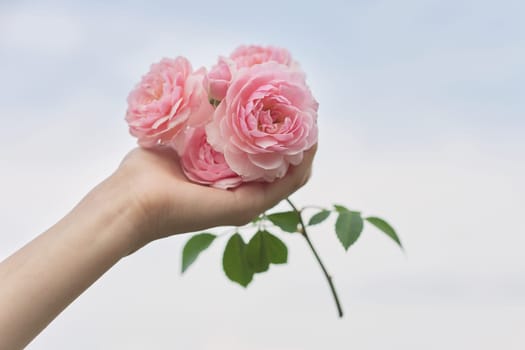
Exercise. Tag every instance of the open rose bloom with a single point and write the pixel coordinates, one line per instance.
(248, 119)
(169, 97)
(203, 164)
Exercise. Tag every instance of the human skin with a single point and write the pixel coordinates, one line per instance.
(145, 199)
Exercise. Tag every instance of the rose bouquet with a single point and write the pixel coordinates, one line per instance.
(249, 118)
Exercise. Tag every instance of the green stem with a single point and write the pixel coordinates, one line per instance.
(326, 274)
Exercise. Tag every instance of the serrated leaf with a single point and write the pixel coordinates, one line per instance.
(385, 228)
(287, 220)
(319, 217)
(265, 248)
(348, 227)
(235, 262)
(193, 247)
(340, 208)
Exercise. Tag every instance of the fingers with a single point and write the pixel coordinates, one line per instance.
(295, 179)
(239, 206)
(253, 199)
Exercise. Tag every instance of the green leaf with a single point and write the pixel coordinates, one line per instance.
(319, 217)
(385, 227)
(348, 227)
(287, 220)
(194, 247)
(340, 208)
(256, 253)
(235, 262)
(275, 249)
(263, 249)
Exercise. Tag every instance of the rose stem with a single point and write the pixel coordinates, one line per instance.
(326, 274)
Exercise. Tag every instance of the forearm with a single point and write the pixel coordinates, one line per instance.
(45, 276)
(146, 199)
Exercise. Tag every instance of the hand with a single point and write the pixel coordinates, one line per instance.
(147, 198)
(167, 203)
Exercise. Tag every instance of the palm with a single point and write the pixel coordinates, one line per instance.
(172, 204)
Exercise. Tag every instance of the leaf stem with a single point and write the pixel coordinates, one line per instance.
(326, 274)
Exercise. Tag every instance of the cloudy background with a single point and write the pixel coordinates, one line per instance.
(422, 121)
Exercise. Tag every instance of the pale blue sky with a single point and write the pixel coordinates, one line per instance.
(422, 117)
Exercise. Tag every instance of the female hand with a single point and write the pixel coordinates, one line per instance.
(167, 203)
(147, 198)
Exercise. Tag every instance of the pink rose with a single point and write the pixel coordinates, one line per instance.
(266, 121)
(201, 163)
(168, 98)
(218, 79)
(247, 56)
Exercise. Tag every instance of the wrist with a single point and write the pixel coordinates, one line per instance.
(120, 216)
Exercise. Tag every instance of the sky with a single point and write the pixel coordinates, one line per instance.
(422, 122)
